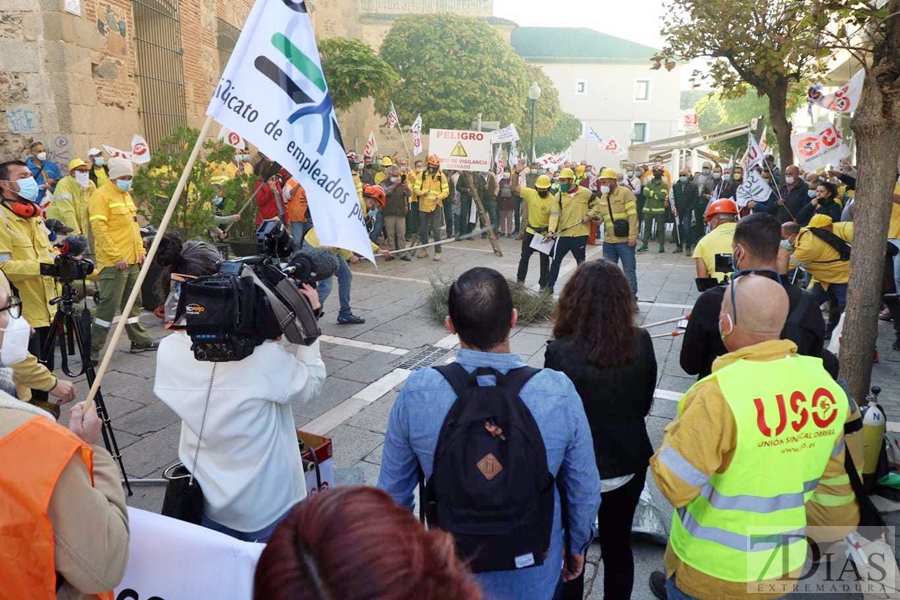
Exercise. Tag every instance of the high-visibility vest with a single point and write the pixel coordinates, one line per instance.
(33, 458)
(748, 523)
(298, 206)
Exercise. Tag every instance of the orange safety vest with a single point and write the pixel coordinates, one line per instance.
(298, 207)
(33, 458)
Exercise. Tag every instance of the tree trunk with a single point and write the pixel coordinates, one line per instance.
(781, 124)
(877, 128)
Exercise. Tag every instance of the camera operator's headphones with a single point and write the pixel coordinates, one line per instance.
(23, 208)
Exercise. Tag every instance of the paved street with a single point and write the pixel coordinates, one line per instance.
(364, 375)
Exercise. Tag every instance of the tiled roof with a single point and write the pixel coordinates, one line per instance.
(576, 45)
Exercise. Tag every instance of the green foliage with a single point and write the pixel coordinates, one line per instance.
(566, 130)
(155, 184)
(354, 71)
(532, 306)
(451, 68)
(547, 109)
(714, 110)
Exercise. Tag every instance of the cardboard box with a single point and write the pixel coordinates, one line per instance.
(323, 449)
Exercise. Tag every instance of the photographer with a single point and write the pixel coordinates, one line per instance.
(24, 247)
(248, 463)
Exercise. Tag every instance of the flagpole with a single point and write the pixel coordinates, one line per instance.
(145, 267)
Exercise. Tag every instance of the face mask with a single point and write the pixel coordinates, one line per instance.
(604, 189)
(812, 193)
(123, 184)
(716, 175)
(432, 170)
(629, 174)
(683, 179)
(790, 180)
(565, 187)
(368, 167)
(217, 201)
(28, 189)
(83, 179)
(787, 245)
(726, 177)
(657, 175)
(238, 158)
(543, 193)
(394, 179)
(706, 171)
(41, 156)
(15, 342)
(738, 176)
(722, 334)
(99, 161)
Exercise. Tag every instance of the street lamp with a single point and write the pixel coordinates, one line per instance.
(534, 94)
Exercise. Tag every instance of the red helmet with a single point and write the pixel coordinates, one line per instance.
(376, 192)
(720, 207)
(434, 161)
(351, 157)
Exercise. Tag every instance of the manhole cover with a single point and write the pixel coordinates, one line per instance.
(423, 357)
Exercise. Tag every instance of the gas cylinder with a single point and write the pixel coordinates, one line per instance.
(874, 424)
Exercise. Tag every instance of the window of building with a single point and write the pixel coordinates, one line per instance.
(226, 39)
(639, 132)
(160, 62)
(642, 90)
(581, 87)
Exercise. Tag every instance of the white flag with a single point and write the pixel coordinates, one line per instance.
(371, 145)
(820, 147)
(613, 146)
(844, 100)
(116, 153)
(232, 138)
(417, 135)
(754, 188)
(593, 135)
(140, 151)
(755, 154)
(273, 94)
(498, 161)
(393, 117)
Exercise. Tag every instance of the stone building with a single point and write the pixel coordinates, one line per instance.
(80, 73)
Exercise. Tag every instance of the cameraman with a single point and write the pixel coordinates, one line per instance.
(249, 465)
(24, 247)
(120, 254)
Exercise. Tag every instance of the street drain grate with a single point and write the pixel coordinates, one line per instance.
(423, 357)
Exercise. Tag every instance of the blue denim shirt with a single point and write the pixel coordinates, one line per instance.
(412, 435)
(49, 167)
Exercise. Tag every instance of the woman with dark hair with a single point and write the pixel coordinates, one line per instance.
(238, 436)
(268, 190)
(354, 543)
(612, 364)
(823, 201)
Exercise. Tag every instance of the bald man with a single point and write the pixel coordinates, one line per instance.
(745, 450)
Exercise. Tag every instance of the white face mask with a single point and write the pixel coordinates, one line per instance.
(41, 156)
(14, 348)
(604, 189)
(83, 178)
(789, 180)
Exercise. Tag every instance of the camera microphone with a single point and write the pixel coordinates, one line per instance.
(74, 245)
(311, 264)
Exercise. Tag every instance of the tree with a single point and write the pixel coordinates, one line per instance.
(354, 71)
(547, 109)
(714, 110)
(566, 130)
(872, 36)
(451, 69)
(767, 44)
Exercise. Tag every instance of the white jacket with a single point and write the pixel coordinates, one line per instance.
(249, 467)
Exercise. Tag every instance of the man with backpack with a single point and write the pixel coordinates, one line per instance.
(496, 444)
(826, 257)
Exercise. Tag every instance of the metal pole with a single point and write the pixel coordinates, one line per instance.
(533, 106)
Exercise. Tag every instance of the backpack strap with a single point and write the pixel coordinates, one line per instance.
(460, 379)
(456, 375)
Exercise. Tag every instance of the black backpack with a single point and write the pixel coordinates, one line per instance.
(841, 246)
(491, 486)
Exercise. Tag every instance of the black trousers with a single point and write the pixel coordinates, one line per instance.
(576, 245)
(35, 346)
(615, 517)
(527, 251)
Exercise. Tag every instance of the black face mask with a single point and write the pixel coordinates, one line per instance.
(543, 193)
(368, 166)
(432, 170)
(657, 174)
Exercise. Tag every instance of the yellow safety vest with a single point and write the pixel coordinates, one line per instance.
(749, 522)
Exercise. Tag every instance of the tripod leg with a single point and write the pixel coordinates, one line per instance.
(109, 435)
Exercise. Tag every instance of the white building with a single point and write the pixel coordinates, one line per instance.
(608, 83)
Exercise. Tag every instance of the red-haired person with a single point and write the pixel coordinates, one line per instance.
(354, 543)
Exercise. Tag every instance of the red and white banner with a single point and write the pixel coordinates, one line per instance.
(552, 162)
(691, 120)
(755, 154)
(371, 145)
(232, 138)
(820, 147)
(417, 135)
(140, 151)
(499, 163)
(393, 117)
(116, 153)
(844, 100)
(613, 146)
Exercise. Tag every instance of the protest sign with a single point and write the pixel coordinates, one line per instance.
(273, 93)
(754, 188)
(820, 147)
(232, 139)
(505, 135)
(845, 100)
(417, 136)
(140, 151)
(461, 150)
(175, 560)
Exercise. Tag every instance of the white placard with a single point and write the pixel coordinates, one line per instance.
(538, 243)
(461, 150)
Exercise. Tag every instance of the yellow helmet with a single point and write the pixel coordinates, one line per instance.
(567, 174)
(608, 174)
(543, 183)
(386, 162)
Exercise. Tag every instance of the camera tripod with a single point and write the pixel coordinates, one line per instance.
(73, 331)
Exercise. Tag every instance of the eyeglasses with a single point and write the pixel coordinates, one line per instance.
(14, 307)
(741, 273)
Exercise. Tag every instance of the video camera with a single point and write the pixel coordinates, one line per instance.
(67, 266)
(254, 299)
(724, 264)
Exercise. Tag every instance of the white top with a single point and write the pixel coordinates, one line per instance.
(249, 468)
